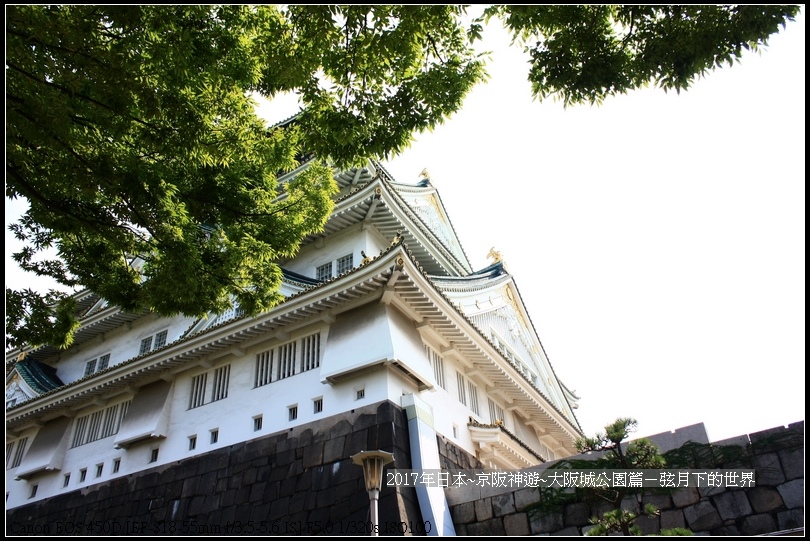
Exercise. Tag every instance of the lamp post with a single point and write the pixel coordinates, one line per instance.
(373, 462)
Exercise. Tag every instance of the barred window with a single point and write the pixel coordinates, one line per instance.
(462, 391)
(222, 376)
(286, 361)
(100, 424)
(198, 384)
(292, 412)
(264, 368)
(345, 263)
(495, 412)
(20, 452)
(473, 396)
(317, 405)
(437, 362)
(311, 352)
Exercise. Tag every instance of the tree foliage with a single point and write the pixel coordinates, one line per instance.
(132, 131)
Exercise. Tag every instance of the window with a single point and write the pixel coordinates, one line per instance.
(473, 396)
(99, 469)
(222, 376)
(197, 397)
(33, 491)
(151, 343)
(116, 465)
(219, 389)
(66, 480)
(292, 412)
(153, 456)
(462, 391)
(467, 393)
(264, 368)
(192, 442)
(99, 424)
(146, 346)
(324, 272)
(82, 475)
(18, 454)
(288, 360)
(215, 435)
(311, 352)
(495, 412)
(160, 339)
(437, 362)
(317, 405)
(361, 393)
(345, 263)
(90, 367)
(96, 365)
(455, 431)
(257, 423)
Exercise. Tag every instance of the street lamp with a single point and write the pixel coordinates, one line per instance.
(373, 462)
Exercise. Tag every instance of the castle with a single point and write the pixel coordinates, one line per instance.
(381, 307)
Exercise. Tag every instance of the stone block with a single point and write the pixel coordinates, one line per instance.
(463, 513)
(517, 524)
(649, 525)
(791, 519)
(792, 493)
(758, 524)
(792, 461)
(764, 499)
(768, 470)
(525, 497)
(577, 514)
(340, 428)
(483, 509)
(732, 505)
(672, 518)
(685, 496)
(702, 516)
(333, 449)
(493, 526)
(503, 504)
(313, 455)
(545, 522)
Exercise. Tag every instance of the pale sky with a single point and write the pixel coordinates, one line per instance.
(657, 240)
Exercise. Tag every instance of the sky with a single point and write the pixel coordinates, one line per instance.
(657, 240)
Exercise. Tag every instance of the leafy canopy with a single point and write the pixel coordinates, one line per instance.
(132, 133)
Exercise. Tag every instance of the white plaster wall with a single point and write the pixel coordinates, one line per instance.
(122, 344)
(352, 240)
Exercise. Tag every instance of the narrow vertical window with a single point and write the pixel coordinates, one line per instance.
(99, 469)
(257, 423)
(462, 392)
(197, 397)
(292, 412)
(146, 345)
(192, 442)
(317, 405)
(160, 339)
(222, 377)
(215, 435)
(103, 362)
(66, 480)
(154, 455)
(82, 475)
(116, 465)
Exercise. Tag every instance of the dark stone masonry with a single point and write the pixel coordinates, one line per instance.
(774, 504)
(300, 481)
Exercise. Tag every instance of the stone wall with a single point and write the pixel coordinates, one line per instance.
(300, 481)
(775, 503)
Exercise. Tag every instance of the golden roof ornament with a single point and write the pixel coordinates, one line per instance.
(398, 238)
(366, 259)
(424, 174)
(494, 255)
